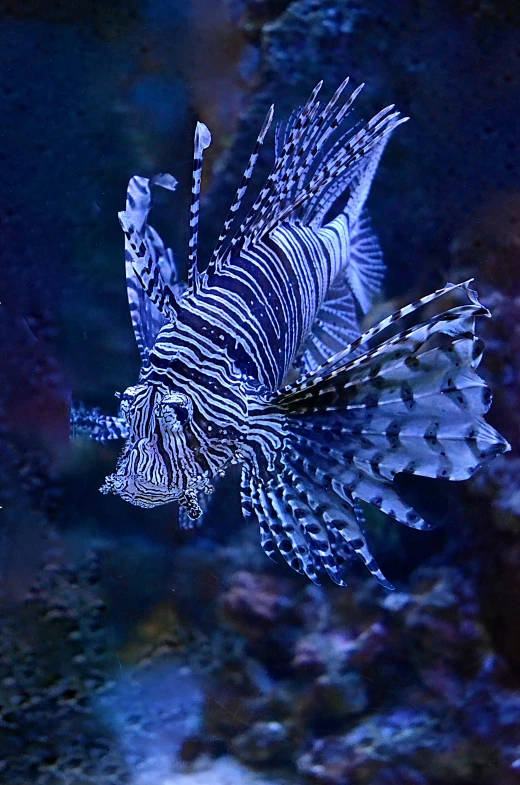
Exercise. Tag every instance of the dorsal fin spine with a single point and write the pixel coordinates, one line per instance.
(315, 123)
(202, 141)
(265, 197)
(349, 156)
(218, 255)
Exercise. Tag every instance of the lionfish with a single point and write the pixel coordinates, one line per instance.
(282, 298)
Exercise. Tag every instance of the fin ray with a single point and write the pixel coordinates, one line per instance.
(411, 403)
(146, 318)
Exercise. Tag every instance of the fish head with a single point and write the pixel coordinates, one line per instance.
(171, 451)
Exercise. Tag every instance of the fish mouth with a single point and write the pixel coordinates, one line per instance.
(149, 489)
(157, 486)
(142, 493)
(136, 490)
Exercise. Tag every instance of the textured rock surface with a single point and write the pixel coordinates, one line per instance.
(371, 687)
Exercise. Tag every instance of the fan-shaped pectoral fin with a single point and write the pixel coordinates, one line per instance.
(95, 425)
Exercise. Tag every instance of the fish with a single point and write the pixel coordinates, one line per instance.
(259, 359)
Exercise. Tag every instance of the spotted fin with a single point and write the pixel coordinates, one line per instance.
(313, 527)
(411, 403)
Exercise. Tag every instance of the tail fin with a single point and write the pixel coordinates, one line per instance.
(412, 403)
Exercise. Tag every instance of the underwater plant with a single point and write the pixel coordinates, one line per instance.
(284, 294)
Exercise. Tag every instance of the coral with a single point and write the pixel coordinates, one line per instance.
(368, 687)
(418, 739)
(263, 742)
(501, 484)
(71, 709)
(55, 659)
(488, 247)
(357, 685)
(224, 771)
(253, 603)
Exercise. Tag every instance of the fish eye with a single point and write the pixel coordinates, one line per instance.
(175, 409)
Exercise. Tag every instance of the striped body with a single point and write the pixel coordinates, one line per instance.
(260, 309)
(237, 336)
(282, 298)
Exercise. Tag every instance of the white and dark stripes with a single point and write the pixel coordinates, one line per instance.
(219, 253)
(153, 284)
(202, 141)
(286, 291)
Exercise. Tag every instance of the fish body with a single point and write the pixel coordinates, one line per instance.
(283, 297)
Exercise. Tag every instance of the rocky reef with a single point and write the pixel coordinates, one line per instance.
(360, 686)
(324, 685)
